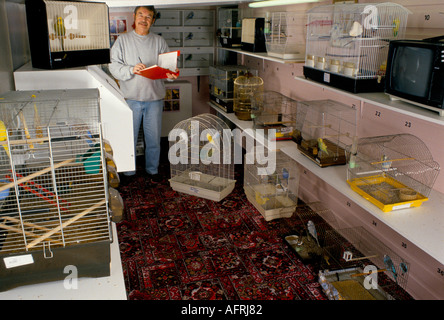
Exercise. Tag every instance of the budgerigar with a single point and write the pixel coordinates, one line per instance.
(322, 146)
(390, 266)
(60, 30)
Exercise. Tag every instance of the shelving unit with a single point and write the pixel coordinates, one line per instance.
(262, 55)
(192, 32)
(416, 232)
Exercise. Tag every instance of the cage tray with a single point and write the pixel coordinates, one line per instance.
(348, 284)
(90, 259)
(225, 105)
(269, 203)
(311, 151)
(202, 185)
(343, 82)
(305, 247)
(386, 193)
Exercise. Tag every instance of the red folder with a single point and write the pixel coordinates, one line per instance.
(158, 72)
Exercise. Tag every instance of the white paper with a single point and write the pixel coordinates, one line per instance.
(168, 60)
(17, 261)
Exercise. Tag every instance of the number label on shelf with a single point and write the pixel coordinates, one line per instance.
(441, 271)
(408, 124)
(404, 245)
(378, 113)
(374, 223)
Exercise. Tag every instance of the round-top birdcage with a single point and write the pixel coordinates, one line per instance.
(202, 158)
(393, 171)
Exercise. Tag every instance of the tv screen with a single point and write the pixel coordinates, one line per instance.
(411, 70)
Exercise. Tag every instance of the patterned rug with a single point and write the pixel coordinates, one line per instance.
(180, 247)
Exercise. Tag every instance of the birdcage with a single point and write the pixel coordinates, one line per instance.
(392, 172)
(230, 27)
(324, 130)
(201, 157)
(66, 34)
(272, 110)
(221, 82)
(347, 44)
(368, 269)
(271, 183)
(245, 87)
(307, 238)
(53, 208)
(286, 37)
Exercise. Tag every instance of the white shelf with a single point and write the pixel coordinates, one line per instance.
(383, 100)
(263, 55)
(423, 226)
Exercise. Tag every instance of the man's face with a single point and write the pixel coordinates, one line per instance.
(143, 20)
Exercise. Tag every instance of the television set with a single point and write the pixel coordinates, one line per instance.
(66, 34)
(415, 72)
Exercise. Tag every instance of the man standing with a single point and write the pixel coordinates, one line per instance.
(132, 52)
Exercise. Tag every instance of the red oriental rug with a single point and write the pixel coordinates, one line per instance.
(180, 247)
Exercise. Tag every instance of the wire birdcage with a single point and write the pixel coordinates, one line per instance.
(308, 235)
(53, 179)
(356, 250)
(271, 184)
(221, 83)
(392, 172)
(273, 110)
(324, 130)
(201, 157)
(349, 42)
(286, 37)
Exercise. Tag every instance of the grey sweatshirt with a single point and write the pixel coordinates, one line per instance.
(129, 50)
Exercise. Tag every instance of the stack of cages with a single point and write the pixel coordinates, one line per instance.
(271, 183)
(363, 268)
(229, 27)
(347, 44)
(325, 130)
(275, 114)
(309, 232)
(222, 84)
(201, 157)
(392, 172)
(286, 37)
(54, 198)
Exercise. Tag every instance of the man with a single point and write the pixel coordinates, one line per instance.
(132, 52)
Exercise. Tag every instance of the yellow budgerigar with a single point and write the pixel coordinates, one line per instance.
(322, 146)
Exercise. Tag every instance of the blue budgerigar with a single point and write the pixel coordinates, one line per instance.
(390, 266)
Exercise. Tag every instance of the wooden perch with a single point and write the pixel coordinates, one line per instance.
(65, 224)
(35, 174)
(391, 160)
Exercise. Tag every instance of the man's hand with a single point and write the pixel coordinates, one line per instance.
(138, 67)
(172, 76)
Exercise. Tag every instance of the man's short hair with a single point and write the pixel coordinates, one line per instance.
(149, 8)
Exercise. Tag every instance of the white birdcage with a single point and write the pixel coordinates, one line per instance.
(202, 157)
(272, 110)
(54, 198)
(324, 131)
(271, 184)
(392, 172)
(285, 38)
(347, 44)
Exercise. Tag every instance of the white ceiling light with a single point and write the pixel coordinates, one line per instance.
(269, 3)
